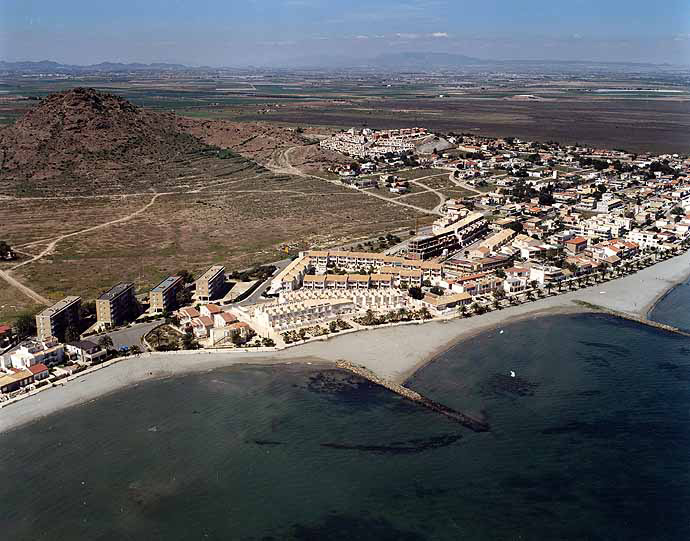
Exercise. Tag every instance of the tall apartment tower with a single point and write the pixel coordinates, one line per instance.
(54, 321)
(116, 306)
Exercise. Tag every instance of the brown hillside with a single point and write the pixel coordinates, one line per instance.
(92, 142)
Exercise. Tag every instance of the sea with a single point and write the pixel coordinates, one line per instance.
(590, 441)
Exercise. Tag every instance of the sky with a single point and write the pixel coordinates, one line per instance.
(290, 32)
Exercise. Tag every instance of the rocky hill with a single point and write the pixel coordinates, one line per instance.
(94, 142)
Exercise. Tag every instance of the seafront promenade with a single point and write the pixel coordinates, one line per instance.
(393, 353)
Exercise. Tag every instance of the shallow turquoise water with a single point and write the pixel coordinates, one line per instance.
(591, 442)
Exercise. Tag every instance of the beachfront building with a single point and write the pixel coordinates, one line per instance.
(53, 322)
(285, 316)
(544, 274)
(309, 307)
(18, 379)
(440, 305)
(116, 306)
(163, 296)
(34, 352)
(211, 284)
(85, 351)
(219, 336)
(449, 239)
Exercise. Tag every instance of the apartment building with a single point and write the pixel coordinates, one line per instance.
(210, 285)
(116, 306)
(452, 238)
(293, 276)
(163, 296)
(54, 321)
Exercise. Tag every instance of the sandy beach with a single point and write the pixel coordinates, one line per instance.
(392, 352)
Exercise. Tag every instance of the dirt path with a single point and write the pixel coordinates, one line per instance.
(464, 186)
(442, 197)
(54, 242)
(280, 164)
(6, 275)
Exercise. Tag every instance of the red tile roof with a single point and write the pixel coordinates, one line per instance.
(38, 368)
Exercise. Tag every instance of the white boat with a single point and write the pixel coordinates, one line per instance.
(512, 374)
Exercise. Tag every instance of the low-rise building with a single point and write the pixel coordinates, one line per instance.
(85, 351)
(15, 380)
(32, 352)
(444, 304)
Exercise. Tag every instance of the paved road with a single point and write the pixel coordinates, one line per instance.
(130, 336)
(256, 295)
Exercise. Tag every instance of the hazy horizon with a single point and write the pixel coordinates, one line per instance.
(281, 32)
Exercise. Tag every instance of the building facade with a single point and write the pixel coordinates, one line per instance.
(116, 306)
(163, 296)
(54, 321)
(210, 284)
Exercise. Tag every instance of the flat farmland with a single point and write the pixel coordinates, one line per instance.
(638, 125)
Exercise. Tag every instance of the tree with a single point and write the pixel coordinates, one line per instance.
(189, 342)
(183, 296)
(416, 293)
(87, 310)
(186, 276)
(424, 313)
(436, 290)
(105, 342)
(268, 342)
(71, 334)
(6, 251)
(25, 326)
(135, 350)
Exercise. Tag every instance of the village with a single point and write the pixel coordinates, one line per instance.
(539, 219)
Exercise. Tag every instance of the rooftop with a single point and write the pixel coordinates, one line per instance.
(212, 272)
(60, 306)
(115, 291)
(165, 284)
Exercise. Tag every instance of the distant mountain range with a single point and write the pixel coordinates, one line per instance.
(393, 62)
(48, 66)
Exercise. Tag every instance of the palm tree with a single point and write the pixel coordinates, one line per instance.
(105, 342)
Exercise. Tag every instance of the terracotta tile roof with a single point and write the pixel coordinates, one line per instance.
(38, 368)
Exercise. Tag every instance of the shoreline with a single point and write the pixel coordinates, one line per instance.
(395, 353)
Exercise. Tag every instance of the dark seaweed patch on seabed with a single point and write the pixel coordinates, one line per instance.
(417, 445)
(351, 527)
(612, 349)
(679, 372)
(501, 384)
